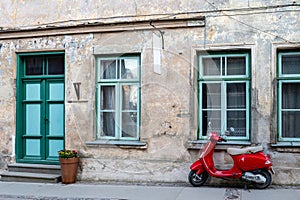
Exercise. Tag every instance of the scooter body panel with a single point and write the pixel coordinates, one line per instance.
(208, 164)
(249, 162)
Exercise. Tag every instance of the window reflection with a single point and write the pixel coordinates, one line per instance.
(129, 69)
(129, 100)
(211, 66)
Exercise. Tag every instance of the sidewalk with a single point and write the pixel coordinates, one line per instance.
(78, 191)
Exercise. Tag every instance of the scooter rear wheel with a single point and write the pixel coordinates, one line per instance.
(268, 177)
(197, 179)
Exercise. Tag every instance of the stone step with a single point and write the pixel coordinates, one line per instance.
(34, 168)
(30, 177)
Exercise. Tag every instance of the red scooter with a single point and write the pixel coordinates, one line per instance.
(250, 164)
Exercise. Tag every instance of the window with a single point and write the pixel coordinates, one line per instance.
(44, 65)
(288, 96)
(224, 94)
(118, 83)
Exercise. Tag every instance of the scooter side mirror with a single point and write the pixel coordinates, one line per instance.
(231, 131)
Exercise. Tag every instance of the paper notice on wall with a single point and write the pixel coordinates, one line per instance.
(156, 46)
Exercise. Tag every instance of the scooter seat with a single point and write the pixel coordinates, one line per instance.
(247, 150)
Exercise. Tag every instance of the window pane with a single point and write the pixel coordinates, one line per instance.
(129, 124)
(108, 69)
(107, 98)
(34, 66)
(212, 117)
(236, 65)
(290, 124)
(211, 95)
(129, 68)
(56, 65)
(236, 120)
(290, 95)
(236, 95)
(129, 94)
(211, 66)
(290, 64)
(107, 124)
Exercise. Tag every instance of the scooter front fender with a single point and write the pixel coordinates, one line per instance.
(198, 166)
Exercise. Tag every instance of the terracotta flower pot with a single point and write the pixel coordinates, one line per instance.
(69, 168)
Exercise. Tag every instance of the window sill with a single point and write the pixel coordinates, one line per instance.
(118, 143)
(199, 144)
(286, 146)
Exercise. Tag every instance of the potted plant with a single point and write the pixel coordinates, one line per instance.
(69, 160)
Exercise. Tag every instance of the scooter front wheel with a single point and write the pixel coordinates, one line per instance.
(197, 179)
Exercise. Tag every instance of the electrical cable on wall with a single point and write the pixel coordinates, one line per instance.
(253, 27)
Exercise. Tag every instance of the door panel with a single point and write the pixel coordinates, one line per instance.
(32, 108)
(33, 91)
(55, 115)
(54, 146)
(33, 119)
(33, 147)
(56, 91)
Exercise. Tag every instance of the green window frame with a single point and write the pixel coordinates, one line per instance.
(118, 97)
(288, 90)
(224, 83)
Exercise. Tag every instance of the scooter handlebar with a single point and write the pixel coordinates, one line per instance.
(222, 139)
(215, 137)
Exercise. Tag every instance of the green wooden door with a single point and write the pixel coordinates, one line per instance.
(40, 108)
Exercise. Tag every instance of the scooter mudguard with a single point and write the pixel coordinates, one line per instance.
(197, 166)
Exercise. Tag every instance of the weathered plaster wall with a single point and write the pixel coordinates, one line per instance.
(26, 14)
(7, 101)
(169, 99)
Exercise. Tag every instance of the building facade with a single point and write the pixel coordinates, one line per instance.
(136, 90)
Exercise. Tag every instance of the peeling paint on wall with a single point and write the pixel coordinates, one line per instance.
(169, 98)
